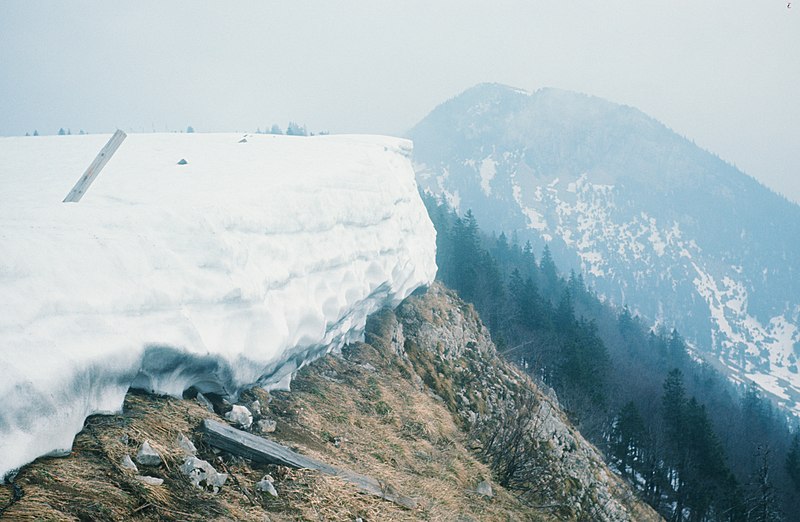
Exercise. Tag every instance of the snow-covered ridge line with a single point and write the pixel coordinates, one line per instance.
(234, 269)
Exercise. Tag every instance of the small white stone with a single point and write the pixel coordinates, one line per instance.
(127, 463)
(485, 489)
(186, 445)
(150, 481)
(202, 474)
(267, 425)
(147, 456)
(265, 485)
(241, 416)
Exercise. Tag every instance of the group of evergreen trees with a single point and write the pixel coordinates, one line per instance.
(694, 446)
(293, 129)
(61, 132)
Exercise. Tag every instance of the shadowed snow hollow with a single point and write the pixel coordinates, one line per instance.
(233, 269)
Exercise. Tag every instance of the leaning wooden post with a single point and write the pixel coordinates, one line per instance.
(94, 169)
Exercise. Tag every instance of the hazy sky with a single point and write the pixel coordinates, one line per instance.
(724, 73)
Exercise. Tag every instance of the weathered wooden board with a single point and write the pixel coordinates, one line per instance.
(259, 449)
(96, 166)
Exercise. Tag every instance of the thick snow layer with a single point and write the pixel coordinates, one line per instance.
(233, 269)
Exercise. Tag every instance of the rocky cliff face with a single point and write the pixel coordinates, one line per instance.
(654, 221)
(513, 423)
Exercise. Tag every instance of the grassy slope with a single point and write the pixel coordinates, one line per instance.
(366, 410)
(375, 422)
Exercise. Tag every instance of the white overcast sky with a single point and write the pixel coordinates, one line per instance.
(724, 73)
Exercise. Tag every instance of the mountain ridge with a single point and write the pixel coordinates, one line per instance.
(654, 221)
(402, 407)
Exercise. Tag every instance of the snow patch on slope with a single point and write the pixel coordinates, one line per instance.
(586, 219)
(234, 269)
(535, 219)
(758, 352)
(487, 171)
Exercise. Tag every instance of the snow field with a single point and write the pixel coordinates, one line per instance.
(234, 269)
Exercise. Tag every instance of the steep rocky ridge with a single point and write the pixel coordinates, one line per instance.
(508, 416)
(413, 406)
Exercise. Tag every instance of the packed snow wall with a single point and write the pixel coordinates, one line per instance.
(254, 257)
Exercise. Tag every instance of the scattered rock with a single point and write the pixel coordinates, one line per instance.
(150, 481)
(267, 425)
(241, 416)
(182, 162)
(186, 445)
(147, 456)
(485, 489)
(204, 402)
(255, 408)
(127, 463)
(265, 485)
(243, 140)
(369, 367)
(203, 475)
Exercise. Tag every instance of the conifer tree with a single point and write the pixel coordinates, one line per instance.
(676, 349)
(295, 129)
(793, 462)
(501, 249)
(548, 268)
(625, 321)
(673, 404)
(529, 258)
(564, 317)
(762, 505)
(628, 439)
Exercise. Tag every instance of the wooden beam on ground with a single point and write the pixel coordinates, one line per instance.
(94, 169)
(259, 449)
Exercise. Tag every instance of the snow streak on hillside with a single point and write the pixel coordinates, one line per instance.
(236, 268)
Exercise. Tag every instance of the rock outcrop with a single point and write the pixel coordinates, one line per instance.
(518, 427)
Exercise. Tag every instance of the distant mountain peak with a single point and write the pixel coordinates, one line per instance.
(652, 219)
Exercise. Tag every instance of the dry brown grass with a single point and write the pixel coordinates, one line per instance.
(397, 433)
(90, 483)
(376, 423)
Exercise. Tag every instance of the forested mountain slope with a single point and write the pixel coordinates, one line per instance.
(688, 439)
(652, 220)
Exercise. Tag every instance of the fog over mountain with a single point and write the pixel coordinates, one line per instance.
(655, 222)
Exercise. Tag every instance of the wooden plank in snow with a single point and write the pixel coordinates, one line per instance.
(94, 169)
(259, 449)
